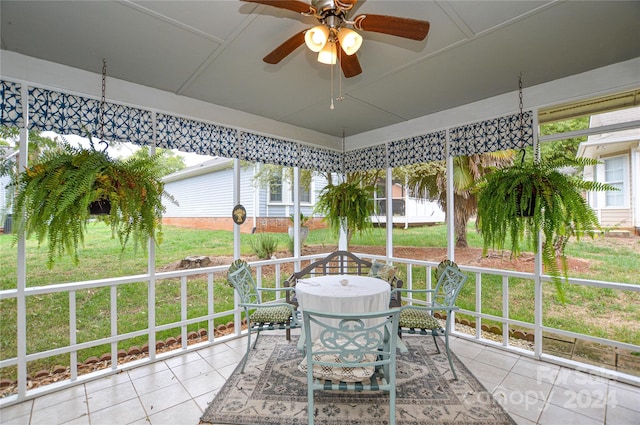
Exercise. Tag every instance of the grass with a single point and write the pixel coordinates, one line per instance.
(589, 311)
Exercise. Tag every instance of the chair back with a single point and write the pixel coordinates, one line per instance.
(351, 341)
(240, 277)
(448, 287)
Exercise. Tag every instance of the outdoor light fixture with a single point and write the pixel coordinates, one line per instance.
(322, 39)
(350, 41)
(328, 54)
(316, 38)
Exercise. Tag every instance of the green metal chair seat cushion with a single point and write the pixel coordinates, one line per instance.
(339, 372)
(272, 314)
(417, 318)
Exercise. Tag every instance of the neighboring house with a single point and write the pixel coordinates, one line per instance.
(5, 205)
(6, 154)
(619, 156)
(204, 193)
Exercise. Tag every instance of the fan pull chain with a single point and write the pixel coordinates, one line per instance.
(340, 96)
(332, 106)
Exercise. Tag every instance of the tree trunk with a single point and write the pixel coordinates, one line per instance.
(460, 226)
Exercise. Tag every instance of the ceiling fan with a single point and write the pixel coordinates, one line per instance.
(332, 39)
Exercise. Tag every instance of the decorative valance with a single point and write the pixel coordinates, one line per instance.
(256, 148)
(11, 114)
(415, 150)
(493, 135)
(72, 114)
(187, 135)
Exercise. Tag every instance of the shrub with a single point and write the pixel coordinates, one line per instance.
(264, 245)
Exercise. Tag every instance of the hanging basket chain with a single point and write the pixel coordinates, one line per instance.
(521, 124)
(103, 105)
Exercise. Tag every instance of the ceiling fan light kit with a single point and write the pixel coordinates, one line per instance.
(350, 41)
(316, 38)
(333, 16)
(328, 54)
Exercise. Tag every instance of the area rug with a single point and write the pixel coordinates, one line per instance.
(272, 391)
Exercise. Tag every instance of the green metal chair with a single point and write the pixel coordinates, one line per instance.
(419, 319)
(355, 352)
(259, 316)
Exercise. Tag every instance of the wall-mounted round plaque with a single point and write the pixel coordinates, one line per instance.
(239, 214)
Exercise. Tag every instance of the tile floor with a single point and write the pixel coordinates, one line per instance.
(177, 390)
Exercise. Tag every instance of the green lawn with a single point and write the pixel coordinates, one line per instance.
(100, 257)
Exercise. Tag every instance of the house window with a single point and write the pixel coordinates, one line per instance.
(614, 172)
(305, 195)
(275, 189)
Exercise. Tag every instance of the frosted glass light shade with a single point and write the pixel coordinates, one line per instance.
(350, 41)
(316, 38)
(328, 54)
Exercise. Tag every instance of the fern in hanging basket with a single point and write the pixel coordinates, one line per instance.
(56, 192)
(347, 205)
(556, 206)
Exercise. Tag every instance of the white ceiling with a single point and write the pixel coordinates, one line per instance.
(213, 50)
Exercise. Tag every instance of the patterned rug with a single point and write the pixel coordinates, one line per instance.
(273, 392)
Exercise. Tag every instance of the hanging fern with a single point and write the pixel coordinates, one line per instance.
(55, 194)
(559, 210)
(347, 205)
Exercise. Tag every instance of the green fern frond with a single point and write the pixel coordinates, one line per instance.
(56, 191)
(560, 210)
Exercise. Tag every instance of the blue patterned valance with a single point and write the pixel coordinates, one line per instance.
(371, 158)
(493, 135)
(10, 96)
(71, 114)
(414, 150)
(187, 135)
(322, 160)
(257, 148)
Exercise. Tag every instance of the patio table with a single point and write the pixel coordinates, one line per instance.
(361, 294)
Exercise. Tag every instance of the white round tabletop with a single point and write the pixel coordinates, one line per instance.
(329, 287)
(362, 294)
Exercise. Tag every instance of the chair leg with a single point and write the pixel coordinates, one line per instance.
(256, 340)
(310, 410)
(246, 355)
(446, 343)
(435, 340)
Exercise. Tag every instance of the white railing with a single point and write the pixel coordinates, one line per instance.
(153, 279)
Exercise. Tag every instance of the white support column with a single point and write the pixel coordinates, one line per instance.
(236, 242)
(342, 240)
(451, 222)
(537, 272)
(236, 201)
(21, 300)
(296, 213)
(151, 270)
(389, 194)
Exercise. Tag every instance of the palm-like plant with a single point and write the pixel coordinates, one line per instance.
(558, 209)
(55, 193)
(429, 180)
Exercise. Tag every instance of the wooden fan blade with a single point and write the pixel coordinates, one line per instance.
(413, 29)
(345, 4)
(293, 5)
(349, 63)
(285, 48)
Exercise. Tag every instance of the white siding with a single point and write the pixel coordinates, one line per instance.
(209, 195)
